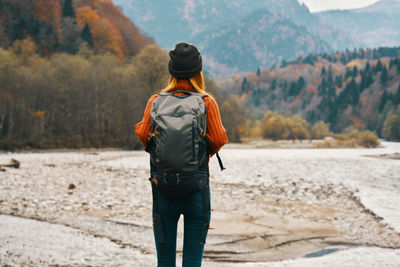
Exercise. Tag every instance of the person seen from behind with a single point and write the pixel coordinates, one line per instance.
(181, 129)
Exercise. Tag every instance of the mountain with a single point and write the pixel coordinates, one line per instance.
(196, 21)
(372, 26)
(169, 22)
(259, 39)
(64, 25)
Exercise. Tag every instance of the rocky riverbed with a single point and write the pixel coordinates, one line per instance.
(271, 207)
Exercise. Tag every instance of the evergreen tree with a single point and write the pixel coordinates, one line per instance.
(258, 71)
(244, 85)
(379, 66)
(396, 97)
(347, 74)
(384, 75)
(68, 9)
(284, 84)
(370, 79)
(339, 81)
(323, 71)
(354, 92)
(273, 84)
(367, 67)
(86, 35)
(384, 99)
(300, 84)
(331, 92)
(292, 89)
(322, 87)
(355, 71)
(330, 70)
(362, 53)
(329, 80)
(343, 59)
(364, 81)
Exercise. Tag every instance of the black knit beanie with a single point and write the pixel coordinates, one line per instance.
(184, 61)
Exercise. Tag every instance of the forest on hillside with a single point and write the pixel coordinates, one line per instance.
(355, 89)
(93, 99)
(65, 25)
(77, 100)
(72, 74)
(82, 100)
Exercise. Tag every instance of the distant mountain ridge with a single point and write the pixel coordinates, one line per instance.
(383, 5)
(206, 22)
(372, 26)
(261, 38)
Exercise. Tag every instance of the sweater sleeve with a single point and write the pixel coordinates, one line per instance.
(142, 128)
(216, 133)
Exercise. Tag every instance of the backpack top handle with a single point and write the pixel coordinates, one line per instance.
(187, 93)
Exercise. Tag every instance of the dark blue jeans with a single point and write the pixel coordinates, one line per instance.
(170, 209)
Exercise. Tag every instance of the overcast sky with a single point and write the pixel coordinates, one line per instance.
(320, 5)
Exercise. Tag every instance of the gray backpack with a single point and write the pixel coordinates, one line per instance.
(178, 143)
(180, 122)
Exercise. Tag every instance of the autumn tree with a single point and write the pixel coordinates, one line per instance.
(391, 128)
(274, 126)
(298, 127)
(233, 115)
(320, 130)
(56, 26)
(24, 50)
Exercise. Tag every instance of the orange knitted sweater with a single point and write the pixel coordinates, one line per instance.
(216, 133)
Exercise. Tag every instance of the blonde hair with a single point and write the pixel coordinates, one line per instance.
(196, 81)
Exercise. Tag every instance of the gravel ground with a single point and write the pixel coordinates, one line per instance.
(94, 208)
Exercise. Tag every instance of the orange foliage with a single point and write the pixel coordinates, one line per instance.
(50, 13)
(337, 69)
(39, 113)
(87, 14)
(109, 35)
(103, 2)
(105, 35)
(356, 62)
(47, 11)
